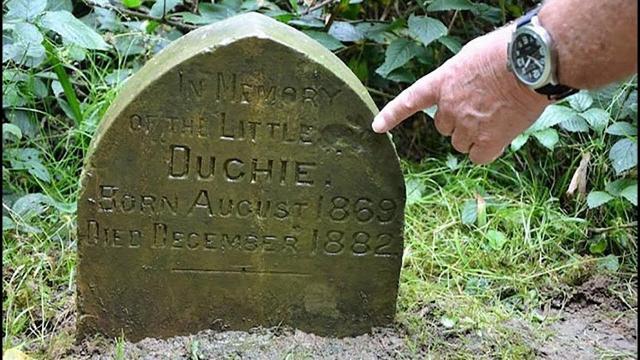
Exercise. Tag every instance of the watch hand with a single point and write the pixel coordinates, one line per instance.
(535, 61)
(527, 63)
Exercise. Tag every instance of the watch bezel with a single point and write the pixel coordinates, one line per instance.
(541, 35)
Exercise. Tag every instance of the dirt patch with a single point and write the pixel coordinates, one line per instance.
(592, 323)
(259, 344)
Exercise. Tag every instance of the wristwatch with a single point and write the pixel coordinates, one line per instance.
(532, 59)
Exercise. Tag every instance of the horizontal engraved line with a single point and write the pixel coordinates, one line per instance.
(229, 271)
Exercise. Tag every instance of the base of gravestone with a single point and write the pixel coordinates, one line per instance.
(258, 343)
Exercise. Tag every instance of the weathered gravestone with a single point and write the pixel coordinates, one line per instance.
(234, 183)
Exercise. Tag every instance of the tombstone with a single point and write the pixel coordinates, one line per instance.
(233, 183)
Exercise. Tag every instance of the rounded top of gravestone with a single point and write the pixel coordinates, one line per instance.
(223, 33)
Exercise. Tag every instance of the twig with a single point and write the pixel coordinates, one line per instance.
(378, 92)
(453, 18)
(142, 15)
(605, 229)
(318, 6)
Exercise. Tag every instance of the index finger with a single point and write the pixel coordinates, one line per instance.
(420, 95)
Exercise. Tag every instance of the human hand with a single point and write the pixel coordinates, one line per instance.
(480, 103)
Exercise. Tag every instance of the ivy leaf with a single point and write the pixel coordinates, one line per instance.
(615, 187)
(415, 189)
(598, 198)
(631, 193)
(580, 101)
(161, 7)
(597, 118)
(73, 30)
(575, 124)
(552, 115)
(623, 155)
(519, 141)
(25, 9)
(445, 5)
(399, 52)
(598, 247)
(426, 29)
(325, 39)
(547, 137)
(344, 31)
(622, 128)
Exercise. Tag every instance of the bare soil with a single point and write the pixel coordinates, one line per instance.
(589, 322)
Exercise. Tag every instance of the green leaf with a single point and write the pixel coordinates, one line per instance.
(431, 111)
(294, 5)
(307, 22)
(452, 162)
(132, 3)
(25, 9)
(622, 128)
(547, 137)
(399, 52)
(10, 130)
(414, 190)
(609, 262)
(325, 39)
(451, 43)
(445, 5)
(552, 115)
(631, 193)
(615, 187)
(375, 32)
(402, 75)
(162, 7)
(73, 30)
(580, 101)
(447, 322)
(7, 223)
(469, 212)
(598, 247)
(597, 198)
(575, 124)
(496, 239)
(426, 29)
(344, 31)
(22, 119)
(53, 5)
(623, 155)
(519, 141)
(30, 205)
(597, 118)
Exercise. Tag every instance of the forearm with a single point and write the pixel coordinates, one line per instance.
(596, 40)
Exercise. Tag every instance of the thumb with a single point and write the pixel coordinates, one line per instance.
(421, 95)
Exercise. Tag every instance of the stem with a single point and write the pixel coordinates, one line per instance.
(67, 87)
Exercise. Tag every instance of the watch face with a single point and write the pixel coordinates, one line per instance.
(529, 57)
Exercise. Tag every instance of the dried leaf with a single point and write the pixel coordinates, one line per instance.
(579, 179)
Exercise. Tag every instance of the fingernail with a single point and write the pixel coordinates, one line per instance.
(378, 124)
